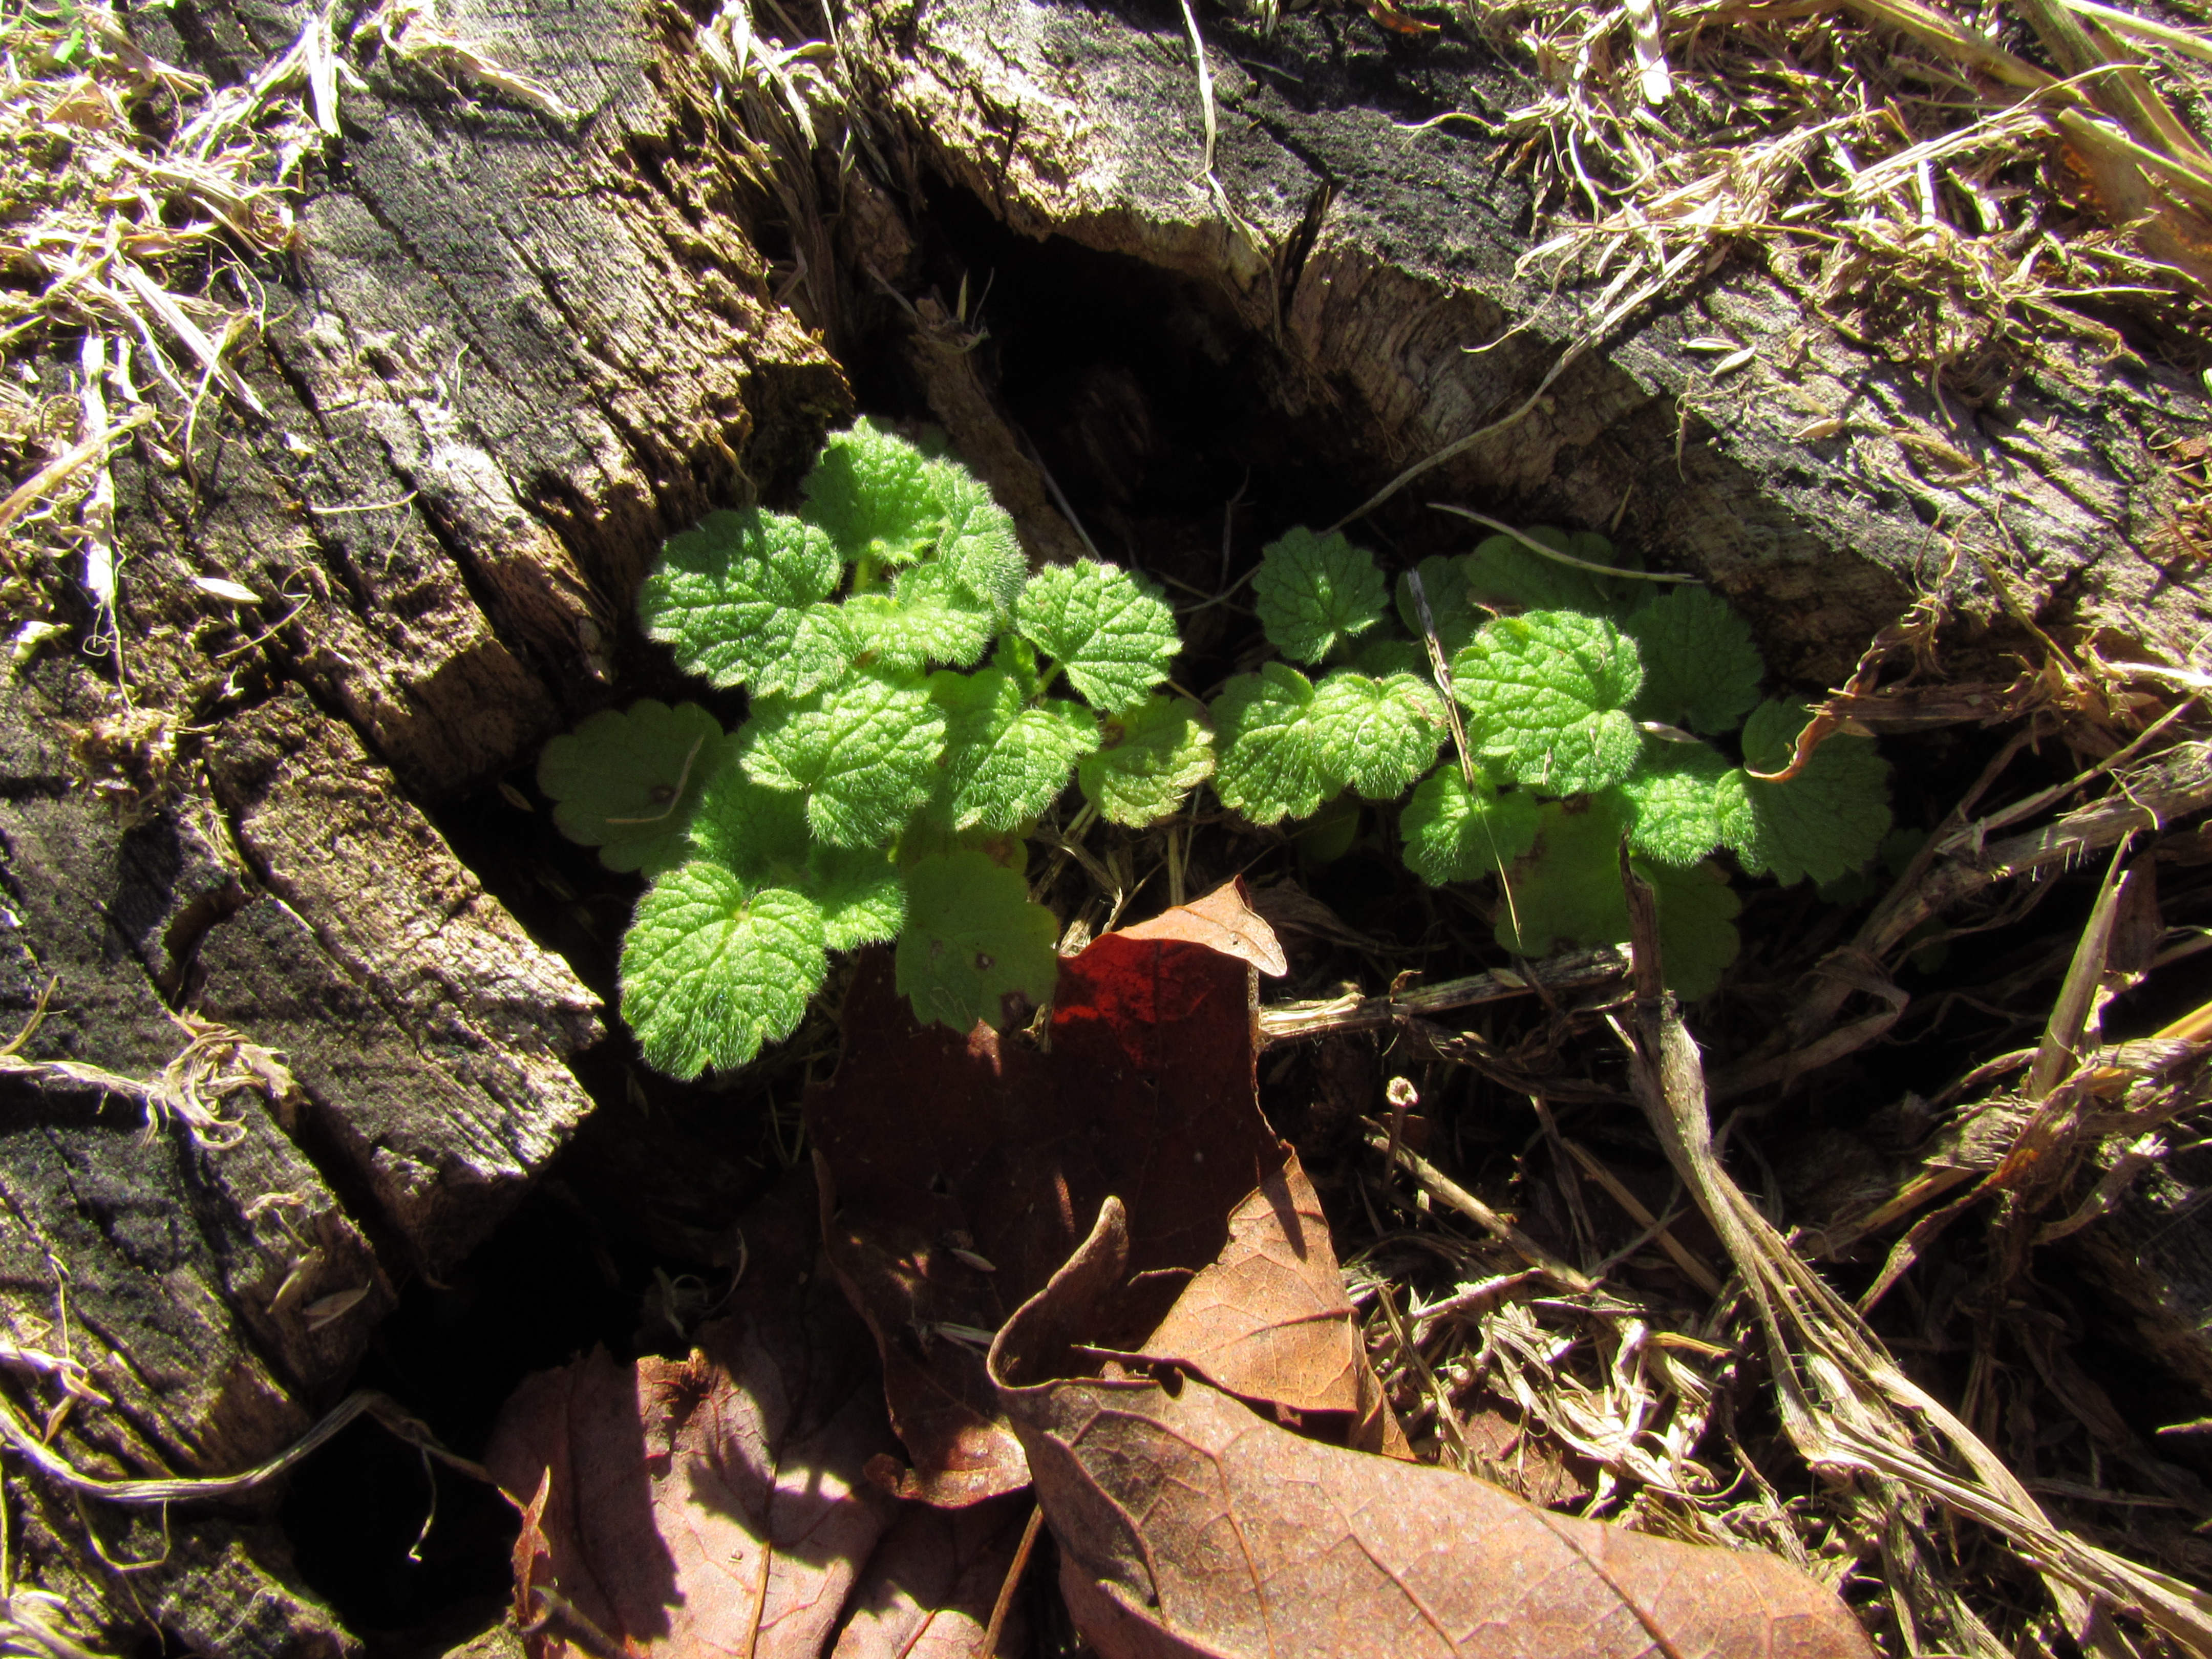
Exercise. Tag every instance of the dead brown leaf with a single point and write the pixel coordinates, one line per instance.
(929, 1587)
(1269, 1321)
(958, 1173)
(1187, 1523)
(1225, 920)
(717, 1504)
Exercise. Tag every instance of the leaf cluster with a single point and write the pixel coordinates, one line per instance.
(1596, 705)
(916, 693)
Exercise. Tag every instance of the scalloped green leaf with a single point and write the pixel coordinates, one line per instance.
(713, 968)
(741, 597)
(628, 781)
(865, 753)
(926, 618)
(1673, 802)
(1377, 735)
(976, 543)
(1504, 570)
(1548, 694)
(1004, 759)
(1113, 635)
(1452, 833)
(1701, 668)
(1698, 937)
(1315, 593)
(1148, 759)
(1827, 820)
(1271, 764)
(1451, 603)
(1567, 891)
(875, 495)
(973, 939)
(757, 833)
(1381, 655)
(860, 893)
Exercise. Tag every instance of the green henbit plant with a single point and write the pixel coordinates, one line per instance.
(907, 725)
(1575, 709)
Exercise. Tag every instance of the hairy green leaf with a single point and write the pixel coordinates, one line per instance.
(1271, 764)
(1113, 636)
(865, 753)
(926, 618)
(1381, 656)
(758, 833)
(1549, 694)
(1568, 891)
(1700, 667)
(1451, 603)
(1004, 760)
(1149, 757)
(1313, 592)
(861, 895)
(874, 495)
(628, 783)
(740, 599)
(1453, 833)
(712, 969)
(1697, 938)
(1828, 819)
(977, 546)
(1379, 735)
(1504, 570)
(972, 940)
(1672, 802)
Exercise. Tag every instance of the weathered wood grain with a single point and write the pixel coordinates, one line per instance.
(1382, 265)
(193, 1282)
(427, 1029)
(508, 356)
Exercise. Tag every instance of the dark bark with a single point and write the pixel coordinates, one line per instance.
(509, 358)
(1384, 256)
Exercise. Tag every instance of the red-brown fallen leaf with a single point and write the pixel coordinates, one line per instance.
(1189, 1524)
(1226, 921)
(717, 1505)
(1269, 1319)
(930, 1586)
(958, 1173)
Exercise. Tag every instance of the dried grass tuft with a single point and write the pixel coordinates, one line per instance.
(1971, 196)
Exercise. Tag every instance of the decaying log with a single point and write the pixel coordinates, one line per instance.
(513, 352)
(424, 1025)
(208, 1291)
(1379, 265)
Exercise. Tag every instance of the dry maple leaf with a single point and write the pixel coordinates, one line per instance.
(1189, 1524)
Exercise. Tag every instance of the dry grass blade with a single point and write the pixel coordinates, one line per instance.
(136, 187)
(1917, 176)
(1845, 1402)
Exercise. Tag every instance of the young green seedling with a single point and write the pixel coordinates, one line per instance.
(916, 695)
(918, 699)
(1576, 687)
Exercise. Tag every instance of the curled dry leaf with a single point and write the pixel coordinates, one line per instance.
(1187, 1523)
(935, 1149)
(717, 1505)
(1226, 921)
(1269, 1319)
